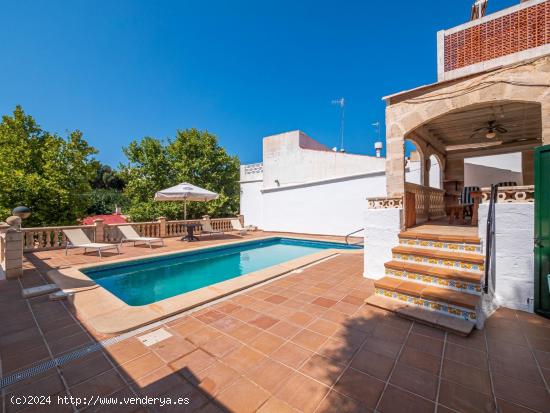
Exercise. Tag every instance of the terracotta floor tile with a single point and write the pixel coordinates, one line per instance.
(221, 346)
(300, 318)
(187, 326)
(227, 324)
(263, 321)
(372, 363)
(425, 344)
(210, 316)
(322, 369)
(229, 308)
(267, 343)
(243, 396)
(505, 350)
(302, 392)
(428, 331)
(172, 348)
(384, 347)
(291, 354)
(309, 339)
(158, 382)
(324, 302)
(520, 392)
(338, 350)
(202, 336)
(335, 402)
(101, 385)
(464, 399)
(244, 359)
(415, 381)
(508, 407)
(245, 333)
(270, 374)
(193, 363)
(324, 327)
(275, 405)
(245, 314)
(518, 369)
(126, 350)
(85, 368)
(475, 340)
(468, 376)
(360, 386)
(420, 360)
(466, 355)
(215, 378)
(276, 299)
(284, 330)
(141, 366)
(396, 400)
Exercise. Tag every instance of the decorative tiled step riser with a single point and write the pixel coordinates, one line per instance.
(466, 266)
(440, 245)
(436, 306)
(463, 287)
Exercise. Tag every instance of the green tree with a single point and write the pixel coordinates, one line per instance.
(43, 171)
(193, 156)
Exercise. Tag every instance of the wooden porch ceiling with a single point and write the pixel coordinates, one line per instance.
(452, 133)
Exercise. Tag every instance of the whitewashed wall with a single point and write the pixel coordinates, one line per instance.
(483, 171)
(513, 281)
(251, 203)
(329, 207)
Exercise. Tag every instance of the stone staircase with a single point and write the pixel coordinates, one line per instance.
(433, 279)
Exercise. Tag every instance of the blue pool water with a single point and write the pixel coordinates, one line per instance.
(149, 280)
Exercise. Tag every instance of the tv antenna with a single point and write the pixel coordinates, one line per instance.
(342, 103)
(377, 128)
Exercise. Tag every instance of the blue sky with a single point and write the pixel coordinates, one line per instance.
(121, 70)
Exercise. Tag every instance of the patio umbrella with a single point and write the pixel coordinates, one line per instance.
(185, 192)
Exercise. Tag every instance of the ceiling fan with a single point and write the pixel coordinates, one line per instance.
(491, 130)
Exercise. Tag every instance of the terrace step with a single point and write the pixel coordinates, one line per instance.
(464, 281)
(428, 297)
(448, 259)
(440, 242)
(420, 315)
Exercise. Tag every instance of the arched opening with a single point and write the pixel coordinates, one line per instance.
(435, 173)
(414, 162)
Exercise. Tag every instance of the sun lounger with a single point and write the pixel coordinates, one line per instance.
(76, 238)
(237, 226)
(206, 228)
(129, 234)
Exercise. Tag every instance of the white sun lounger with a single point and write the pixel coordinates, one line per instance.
(237, 226)
(76, 238)
(206, 228)
(129, 234)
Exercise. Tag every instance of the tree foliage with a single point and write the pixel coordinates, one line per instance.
(193, 156)
(43, 171)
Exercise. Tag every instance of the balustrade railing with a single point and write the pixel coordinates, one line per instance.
(45, 238)
(510, 194)
(429, 202)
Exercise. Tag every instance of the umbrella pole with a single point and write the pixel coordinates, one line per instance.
(185, 210)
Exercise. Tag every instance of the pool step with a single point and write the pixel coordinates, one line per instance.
(423, 316)
(454, 279)
(447, 259)
(442, 300)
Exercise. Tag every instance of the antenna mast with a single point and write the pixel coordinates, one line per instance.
(342, 103)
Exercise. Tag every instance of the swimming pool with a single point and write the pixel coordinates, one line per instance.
(149, 280)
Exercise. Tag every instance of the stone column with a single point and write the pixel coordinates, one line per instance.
(528, 167)
(395, 166)
(545, 108)
(162, 227)
(12, 249)
(98, 230)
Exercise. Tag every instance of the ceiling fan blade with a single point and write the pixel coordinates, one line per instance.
(473, 134)
(480, 129)
(500, 129)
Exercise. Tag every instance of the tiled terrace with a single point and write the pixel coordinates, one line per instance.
(303, 342)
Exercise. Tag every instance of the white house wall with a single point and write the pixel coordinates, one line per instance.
(251, 203)
(331, 207)
(513, 258)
